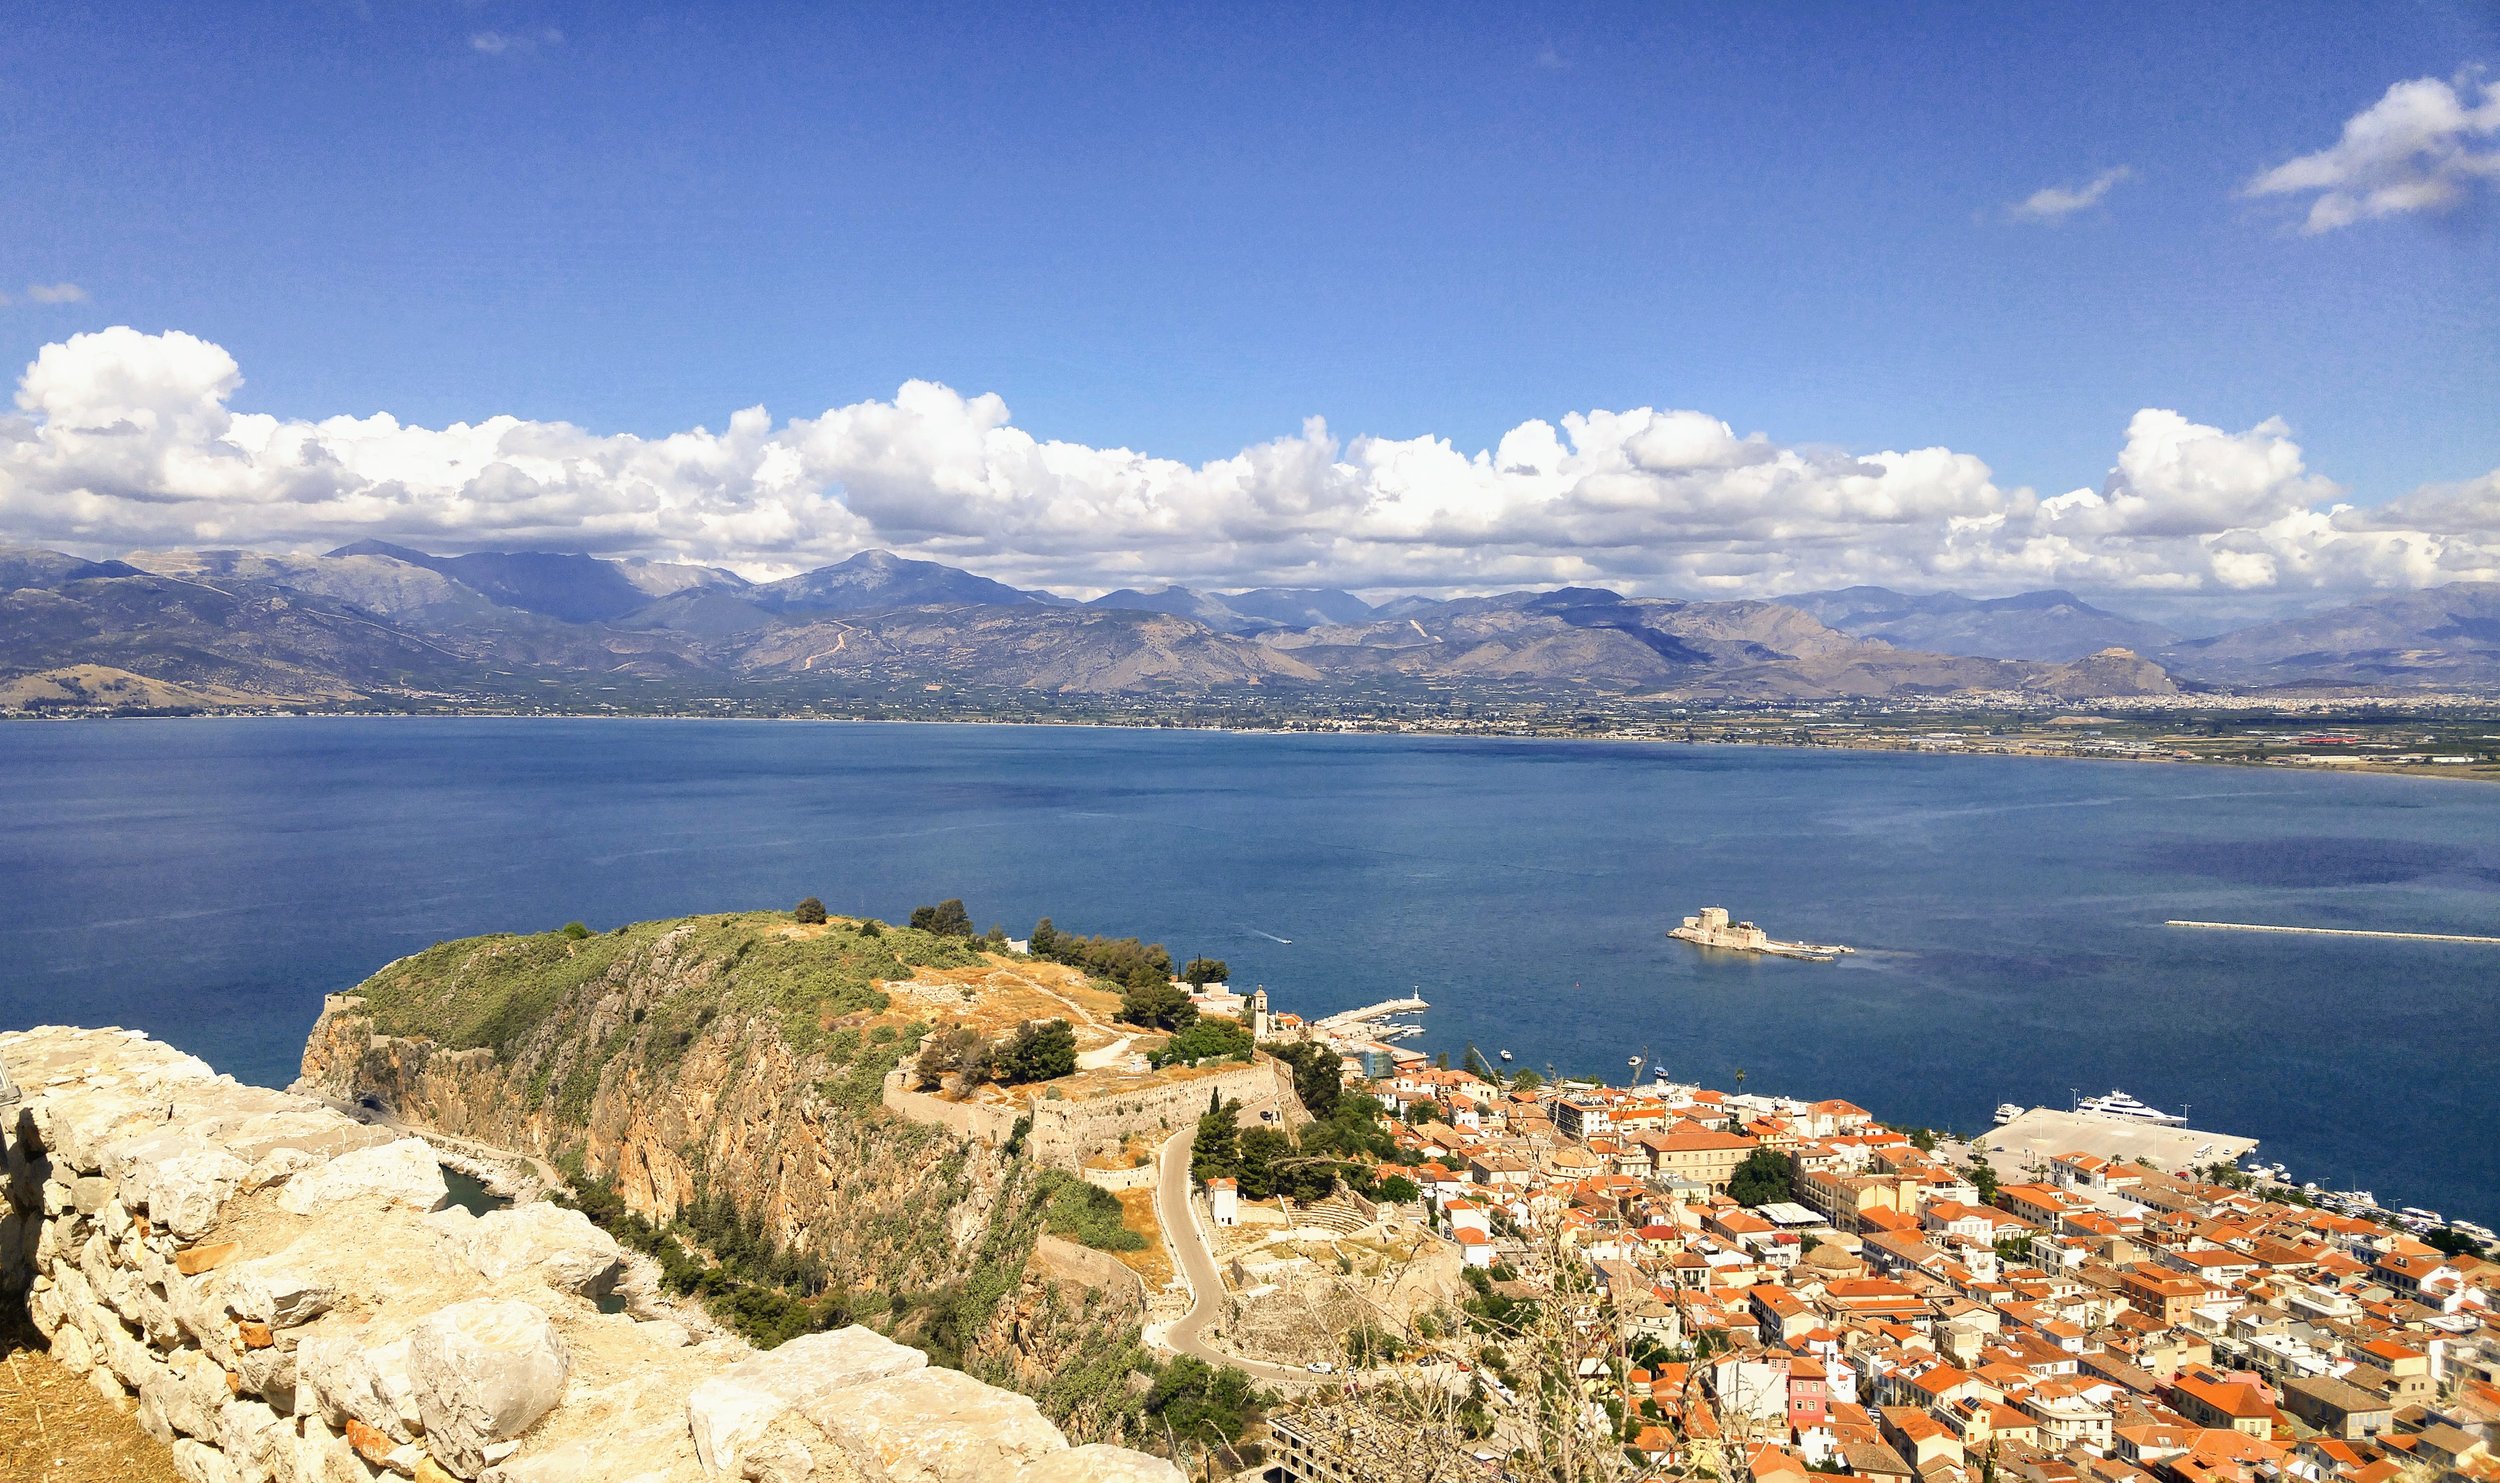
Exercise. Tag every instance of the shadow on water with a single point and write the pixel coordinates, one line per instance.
(470, 1195)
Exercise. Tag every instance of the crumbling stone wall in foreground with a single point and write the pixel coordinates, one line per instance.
(287, 1297)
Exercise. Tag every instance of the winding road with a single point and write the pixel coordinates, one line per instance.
(1178, 1216)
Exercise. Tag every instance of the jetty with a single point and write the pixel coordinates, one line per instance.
(1711, 928)
(2338, 932)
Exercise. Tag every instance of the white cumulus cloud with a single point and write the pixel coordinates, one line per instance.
(2057, 202)
(2422, 147)
(123, 440)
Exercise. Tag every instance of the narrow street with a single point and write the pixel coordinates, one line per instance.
(1195, 1261)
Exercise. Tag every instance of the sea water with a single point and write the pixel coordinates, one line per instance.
(208, 880)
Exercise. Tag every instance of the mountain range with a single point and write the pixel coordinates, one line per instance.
(373, 623)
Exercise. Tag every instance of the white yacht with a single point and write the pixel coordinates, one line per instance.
(2119, 1105)
(2008, 1111)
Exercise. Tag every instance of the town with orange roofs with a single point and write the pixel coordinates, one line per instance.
(1760, 1286)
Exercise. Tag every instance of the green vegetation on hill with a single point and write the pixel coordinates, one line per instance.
(1209, 1039)
(1085, 1214)
(493, 991)
(727, 1046)
(1123, 960)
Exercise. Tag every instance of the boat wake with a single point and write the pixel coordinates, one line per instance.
(1270, 936)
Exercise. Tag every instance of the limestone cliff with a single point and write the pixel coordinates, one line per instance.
(736, 1061)
(661, 1060)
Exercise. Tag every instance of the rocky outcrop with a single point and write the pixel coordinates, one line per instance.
(652, 1076)
(285, 1294)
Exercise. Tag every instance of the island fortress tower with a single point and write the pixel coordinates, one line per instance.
(1711, 928)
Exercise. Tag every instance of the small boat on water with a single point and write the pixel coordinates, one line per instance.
(1506, 1055)
(2008, 1111)
(1710, 927)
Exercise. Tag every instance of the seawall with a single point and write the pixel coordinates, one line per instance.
(285, 1296)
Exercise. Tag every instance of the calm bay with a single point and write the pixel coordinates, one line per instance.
(208, 880)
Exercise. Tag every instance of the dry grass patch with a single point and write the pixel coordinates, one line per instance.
(1137, 1212)
(56, 1428)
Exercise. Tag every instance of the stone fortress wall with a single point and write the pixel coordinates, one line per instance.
(1067, 1131)
(287, 1296)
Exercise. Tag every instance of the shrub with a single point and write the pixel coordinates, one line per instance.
(1159, 1005)
(1123, 960)
(576, 931)
(1085, 1214)
(1209, 1039)
(811, 912)
(946, 919)
(1042, 1050)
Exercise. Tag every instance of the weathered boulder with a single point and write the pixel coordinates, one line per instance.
(1096, 1463)
(352, 1379)
(733, 1410)
(256, 1443)
(935, 1426)
(485, 1372)
(276, 1292)
(394, 1175)
(650, 1453)
(188, 1392)
(561, 1246)
(180, 1179)
(199, 1462)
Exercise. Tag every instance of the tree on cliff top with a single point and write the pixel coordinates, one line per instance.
(947, 919)
(1160, 1005)
(1318, 1076)
(1039, 1050)
(810, 912)
(957, 1051)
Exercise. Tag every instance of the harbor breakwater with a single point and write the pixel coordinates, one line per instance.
(286, 1295)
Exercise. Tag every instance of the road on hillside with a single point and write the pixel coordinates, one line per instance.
(1179, 1218)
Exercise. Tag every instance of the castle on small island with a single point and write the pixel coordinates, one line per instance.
(1711, 928)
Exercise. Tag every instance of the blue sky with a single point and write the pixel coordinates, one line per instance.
(1184, 233)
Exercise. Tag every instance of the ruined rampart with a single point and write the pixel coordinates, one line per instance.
(286, 1296)
(1066, 1131)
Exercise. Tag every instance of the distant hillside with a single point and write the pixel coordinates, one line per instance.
(575, 589)
(1299, 607)
(2440, 636)
(2053, 626)
(385, 625)
(1214, 612)
(874, 581)
(1590, 637)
